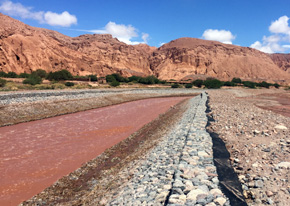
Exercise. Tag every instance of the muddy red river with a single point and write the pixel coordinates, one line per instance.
(36, 154)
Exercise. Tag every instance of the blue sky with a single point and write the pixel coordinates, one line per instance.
(261, 24)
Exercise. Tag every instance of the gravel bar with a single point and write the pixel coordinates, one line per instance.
(57, 95)
(180, 169)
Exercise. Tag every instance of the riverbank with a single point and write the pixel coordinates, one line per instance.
(258, 141)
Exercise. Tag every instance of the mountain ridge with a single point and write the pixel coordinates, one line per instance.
(24, 48)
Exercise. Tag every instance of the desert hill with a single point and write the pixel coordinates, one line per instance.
(188, 57)
(26, 48)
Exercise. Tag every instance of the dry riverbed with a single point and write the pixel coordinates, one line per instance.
(258, 140)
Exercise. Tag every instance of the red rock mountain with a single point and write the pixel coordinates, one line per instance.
(26, 48)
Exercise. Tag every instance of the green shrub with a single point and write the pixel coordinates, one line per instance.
(23, 75)
(11, 75)
(60, 75)
(249, 84)
(213, 83)
(175, 85)
(188, 86)
(110, 78)
(39, 72)
(3, 74)
(69, 84)
(230, 84)
(264, 84)
(115, 83)
(134, 79)
(58, 86)
(2, 82)
(117, 77)
(32, 80)
(43, 86)
(149, 80)
(237, 80)
(276, 85)
(198, 83)
(93, 78)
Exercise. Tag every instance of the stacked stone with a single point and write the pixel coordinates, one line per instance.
(180, 169)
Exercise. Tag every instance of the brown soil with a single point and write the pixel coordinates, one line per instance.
(101, 176)
(277, 102)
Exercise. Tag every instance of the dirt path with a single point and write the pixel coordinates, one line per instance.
(36, 154)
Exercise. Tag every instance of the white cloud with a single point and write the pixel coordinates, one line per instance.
(17, 9)
(219, 35)
(275, 43)
(280, 26)
(64, 19)
(145, 37)
(124, 33)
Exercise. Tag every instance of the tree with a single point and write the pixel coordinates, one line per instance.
(110, 78)
(11, 75)
(198, 83)
(69, 84)
(213, 83)
(188, 86)
(264, 84)
(115, 83)
(40, 72)
(23, 75)
(59, 75)
(32, 80)
(230, 84)
(175, 85)
(93, 78)
(3, 74)
(237, 80)
(249, 84)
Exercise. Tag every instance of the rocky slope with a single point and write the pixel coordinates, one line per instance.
(282, 61)
(26, 48)
(188, 57)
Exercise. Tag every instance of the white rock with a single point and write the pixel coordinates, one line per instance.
(194, 193)
(215, 192)
(283, 165)
(220, 201)
(281, 127)
(162, 196)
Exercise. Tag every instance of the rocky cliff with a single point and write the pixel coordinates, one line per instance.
(26, 48)
(282, 61)
(189, 57)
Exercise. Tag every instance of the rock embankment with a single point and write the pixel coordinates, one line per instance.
(179, 170)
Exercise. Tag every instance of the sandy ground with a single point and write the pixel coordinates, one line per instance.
(258, 140)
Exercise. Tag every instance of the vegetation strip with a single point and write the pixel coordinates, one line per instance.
(229, 181)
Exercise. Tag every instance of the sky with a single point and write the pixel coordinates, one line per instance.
(260, 24)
